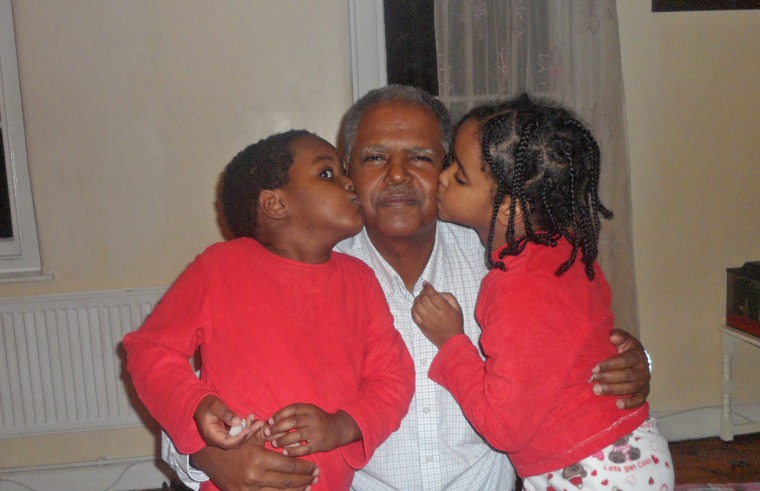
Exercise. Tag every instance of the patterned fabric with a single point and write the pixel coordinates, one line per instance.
(435, 448)
(640, 461)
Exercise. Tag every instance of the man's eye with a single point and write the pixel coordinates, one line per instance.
(423, 158)
(327, 174)
(374, 158)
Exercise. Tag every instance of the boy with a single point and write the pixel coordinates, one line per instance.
(290, 331)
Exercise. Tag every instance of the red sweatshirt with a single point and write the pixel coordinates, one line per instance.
(542, 335)
(273, 332)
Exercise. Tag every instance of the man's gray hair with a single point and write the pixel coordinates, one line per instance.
(402, 94)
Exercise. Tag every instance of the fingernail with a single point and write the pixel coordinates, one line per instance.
(619, 404)
(597, 389)
(595, 369)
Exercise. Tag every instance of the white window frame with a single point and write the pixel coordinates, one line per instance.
(368, 62)
(19, 256)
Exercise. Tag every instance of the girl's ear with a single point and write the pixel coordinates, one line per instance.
(271, 205)
(503, 216)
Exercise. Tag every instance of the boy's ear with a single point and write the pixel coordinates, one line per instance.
(503, 215)
(271, 205)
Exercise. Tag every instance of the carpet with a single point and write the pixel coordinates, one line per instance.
(748, 486)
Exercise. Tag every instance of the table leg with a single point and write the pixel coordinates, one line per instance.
(727, 388)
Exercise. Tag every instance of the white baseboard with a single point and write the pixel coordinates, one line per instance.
(142, 473)
(702, 422)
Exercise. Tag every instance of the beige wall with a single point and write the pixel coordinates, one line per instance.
(692, 83)
(132, 110)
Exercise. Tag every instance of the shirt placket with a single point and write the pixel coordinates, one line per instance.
(427, 415)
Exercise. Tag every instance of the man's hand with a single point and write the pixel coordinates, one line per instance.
(302, 429)
(625, 374)
(438, 315)
(251, 467)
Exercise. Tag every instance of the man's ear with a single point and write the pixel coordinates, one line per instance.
(503, 215)
(271, 205)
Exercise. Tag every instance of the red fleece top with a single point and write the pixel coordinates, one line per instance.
(273, 332)
(542, 336)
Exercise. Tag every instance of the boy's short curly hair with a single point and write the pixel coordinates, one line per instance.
(262, 165)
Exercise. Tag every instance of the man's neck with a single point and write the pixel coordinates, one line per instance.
(408, 256)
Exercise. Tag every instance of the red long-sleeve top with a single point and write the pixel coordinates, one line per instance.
(273, 332)
(542, 336)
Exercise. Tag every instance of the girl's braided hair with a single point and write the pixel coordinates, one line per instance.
(548, 162)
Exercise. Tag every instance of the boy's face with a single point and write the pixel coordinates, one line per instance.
(320, 196)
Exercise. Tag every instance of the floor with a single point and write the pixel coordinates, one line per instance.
(711, 460)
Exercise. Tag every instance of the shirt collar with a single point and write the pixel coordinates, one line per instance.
(435, 272)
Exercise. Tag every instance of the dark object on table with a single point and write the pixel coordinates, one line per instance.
(743, 297)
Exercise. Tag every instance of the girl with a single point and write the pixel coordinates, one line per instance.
(525, 176)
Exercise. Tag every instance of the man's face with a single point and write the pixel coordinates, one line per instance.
(394, 163)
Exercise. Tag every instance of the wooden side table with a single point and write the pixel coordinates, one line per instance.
(728, 337)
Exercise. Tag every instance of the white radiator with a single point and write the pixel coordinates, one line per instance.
(62, 366)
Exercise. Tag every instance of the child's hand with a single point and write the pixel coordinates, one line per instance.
(438, 315)
(302, 429)
(215, 420)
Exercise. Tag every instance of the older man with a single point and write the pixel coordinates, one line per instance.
(395, 141)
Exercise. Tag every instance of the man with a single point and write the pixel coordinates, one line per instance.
(395, 141)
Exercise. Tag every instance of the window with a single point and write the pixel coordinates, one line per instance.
(19, 249)
(392, 43)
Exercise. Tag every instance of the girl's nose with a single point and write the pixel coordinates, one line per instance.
(348, 185)
(444, 176)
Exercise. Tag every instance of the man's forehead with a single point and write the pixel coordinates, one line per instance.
(401, 120)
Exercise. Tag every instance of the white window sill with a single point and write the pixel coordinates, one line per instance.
(23, 278)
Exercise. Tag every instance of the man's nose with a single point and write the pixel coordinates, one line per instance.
(397, 171)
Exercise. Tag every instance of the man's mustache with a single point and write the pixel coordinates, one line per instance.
(398, 192)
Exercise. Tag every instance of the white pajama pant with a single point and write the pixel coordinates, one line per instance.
(638, 461)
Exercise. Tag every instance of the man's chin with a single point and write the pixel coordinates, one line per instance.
(400, 229)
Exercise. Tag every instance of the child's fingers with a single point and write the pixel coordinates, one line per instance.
(452, 300)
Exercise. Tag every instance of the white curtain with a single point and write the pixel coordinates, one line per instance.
(568, 50)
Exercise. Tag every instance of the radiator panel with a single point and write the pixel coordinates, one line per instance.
(62, 366)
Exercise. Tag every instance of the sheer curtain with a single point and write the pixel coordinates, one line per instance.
(565, 50)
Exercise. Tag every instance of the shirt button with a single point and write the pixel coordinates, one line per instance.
(424, 362)
(429, 459)
(426, 410)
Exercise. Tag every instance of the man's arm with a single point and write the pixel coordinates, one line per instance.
(250, 467)
(625, 374)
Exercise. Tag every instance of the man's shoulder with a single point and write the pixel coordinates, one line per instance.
(457, 234)
(461, 242)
